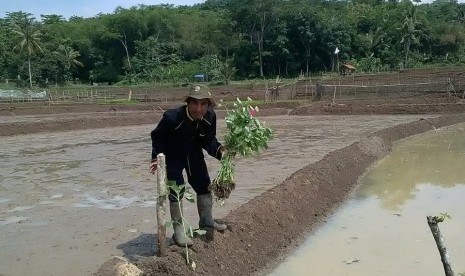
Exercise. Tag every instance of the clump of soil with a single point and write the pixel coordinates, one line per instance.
(222, 191)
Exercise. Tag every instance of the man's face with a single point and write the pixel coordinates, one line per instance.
(197, 108)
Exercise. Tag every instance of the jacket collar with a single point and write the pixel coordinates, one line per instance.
(189, 115)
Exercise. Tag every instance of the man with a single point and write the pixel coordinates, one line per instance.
(181, 135)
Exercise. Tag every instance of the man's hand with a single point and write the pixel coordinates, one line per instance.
(223, 149)
(153, 166)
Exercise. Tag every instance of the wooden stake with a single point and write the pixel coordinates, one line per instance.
(433, 225)
(334, 95)
(161, 204)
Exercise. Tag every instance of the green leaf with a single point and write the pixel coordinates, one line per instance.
(189, 197)
(200, 231)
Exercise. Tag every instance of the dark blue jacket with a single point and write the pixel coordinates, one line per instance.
(179, 137)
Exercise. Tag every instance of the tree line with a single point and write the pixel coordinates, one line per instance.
(229, 39)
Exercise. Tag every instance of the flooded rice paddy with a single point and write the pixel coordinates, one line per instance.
(71, 200)
(383, 230)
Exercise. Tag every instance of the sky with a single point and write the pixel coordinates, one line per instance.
(84, 8)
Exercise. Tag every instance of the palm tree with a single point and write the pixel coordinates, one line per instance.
(70, 56)
(29, 41)
(409, 30)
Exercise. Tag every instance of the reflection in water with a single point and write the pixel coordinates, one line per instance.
(383, 229)
(436, 159)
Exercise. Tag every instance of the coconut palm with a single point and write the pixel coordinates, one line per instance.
(29, 41)
(70, 56)
(409, 30)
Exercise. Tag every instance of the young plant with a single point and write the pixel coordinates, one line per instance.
(246, 136)
(180, 192)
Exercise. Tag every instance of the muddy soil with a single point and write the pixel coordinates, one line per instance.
(28, 118)
(271, 225)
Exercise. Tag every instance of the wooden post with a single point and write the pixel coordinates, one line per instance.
(433, 225)
(334, 95)
(161, 204)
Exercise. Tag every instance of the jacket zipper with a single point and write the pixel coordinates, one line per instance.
(188, 163)
(188, 166)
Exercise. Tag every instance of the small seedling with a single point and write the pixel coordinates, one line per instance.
(183, 191)
(443, 216)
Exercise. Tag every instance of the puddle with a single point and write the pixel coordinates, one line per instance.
(91, 188)
(383, 230)
(115, 203)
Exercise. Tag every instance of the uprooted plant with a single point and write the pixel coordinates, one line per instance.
(181, 191)
(246, 136)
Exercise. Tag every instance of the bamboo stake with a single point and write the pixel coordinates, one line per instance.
(161, 204)
(433, 225)
(334, 95)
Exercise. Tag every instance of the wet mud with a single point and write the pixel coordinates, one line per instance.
(98, 201)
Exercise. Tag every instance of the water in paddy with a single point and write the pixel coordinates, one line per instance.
(71, 200)
(382, 229)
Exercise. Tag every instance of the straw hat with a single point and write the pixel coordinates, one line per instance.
(200, 92)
